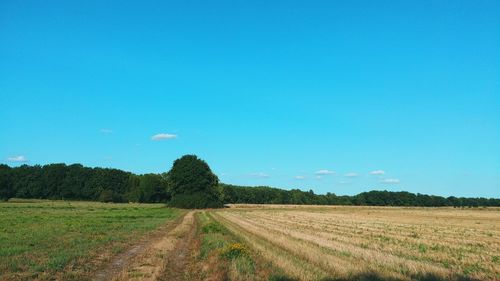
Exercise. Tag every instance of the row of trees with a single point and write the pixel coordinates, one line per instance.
(189, 184)
(269, 195)
(76, 182)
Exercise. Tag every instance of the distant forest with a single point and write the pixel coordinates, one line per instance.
(76, 182)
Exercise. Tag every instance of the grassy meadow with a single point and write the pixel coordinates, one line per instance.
(371, 243)
(64, 240)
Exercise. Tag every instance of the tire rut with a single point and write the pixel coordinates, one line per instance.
(120, 262)
(180, 258)
(164, 259)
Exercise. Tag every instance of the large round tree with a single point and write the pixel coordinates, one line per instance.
(193, 185)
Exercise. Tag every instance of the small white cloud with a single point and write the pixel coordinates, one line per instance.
(299, 177)
(260, 175)
(377, 172)
(163, 136)
(325, 172)
(392, 181)
(318, 177)
(351, 175)
(344, 182)
(106, 131)
(19, 159)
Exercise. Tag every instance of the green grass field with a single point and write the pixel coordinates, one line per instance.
(43, 239)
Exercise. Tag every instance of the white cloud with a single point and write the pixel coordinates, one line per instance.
(351, 175)
(344, 182)
(19, 158)
(260, 175)
(394, 181)
(325, 172)
(318, 177)
(377, 172)
(163, 136)
(106, 131)
(299, 177)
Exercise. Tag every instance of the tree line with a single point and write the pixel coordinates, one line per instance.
(190, 184)
(76, 182)
(269, 195)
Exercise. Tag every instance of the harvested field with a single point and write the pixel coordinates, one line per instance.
(366, 243)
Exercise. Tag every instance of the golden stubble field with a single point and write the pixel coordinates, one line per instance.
(370, 243)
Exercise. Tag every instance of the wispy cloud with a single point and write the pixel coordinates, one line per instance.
(351, 175)
(344, 182)
(163, 136)
(392, 181)
(19, 159)
(299, 177)
(106, 131)
(377, 172)
(325, 172)
(260, 175)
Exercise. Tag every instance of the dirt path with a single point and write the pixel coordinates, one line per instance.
(180, 258)
(117, 264)
(149, 259)
(159, 256)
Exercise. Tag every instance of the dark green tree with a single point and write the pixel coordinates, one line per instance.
(193, 185)
(6, 186)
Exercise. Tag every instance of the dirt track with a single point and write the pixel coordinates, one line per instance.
(164, 257)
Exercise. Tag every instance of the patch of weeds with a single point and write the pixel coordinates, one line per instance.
(345, 254)
(437, 247)
(495, 259)
(235, 250)
(384, 238)
(212, 227)
(422, 248)
(243, 266)
(209, 243)
(469, 269)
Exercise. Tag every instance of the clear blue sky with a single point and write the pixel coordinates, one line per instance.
(336, 96)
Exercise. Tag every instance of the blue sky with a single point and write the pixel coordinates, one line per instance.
(334, 96)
